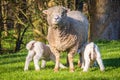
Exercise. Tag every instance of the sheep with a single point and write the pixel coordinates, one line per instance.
(67, 31)
(36, 51)
(91, 55)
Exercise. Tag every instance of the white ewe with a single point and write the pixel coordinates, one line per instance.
(90, 55)
(67, 31)
(36, 51)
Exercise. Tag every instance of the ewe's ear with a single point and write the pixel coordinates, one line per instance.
(45, 11)
(66, 10)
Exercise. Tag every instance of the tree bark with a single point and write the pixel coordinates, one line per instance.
(103, 14)
(5, 14)
(0, 26)
(18, 26)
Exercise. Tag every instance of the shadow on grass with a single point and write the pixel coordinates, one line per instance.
(113, 62)
(11, 59)
(12, 55)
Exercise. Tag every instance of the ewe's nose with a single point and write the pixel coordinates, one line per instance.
(56, 17)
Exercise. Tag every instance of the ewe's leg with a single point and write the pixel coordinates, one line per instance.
(52, 57)
(43, 64)
(79, 60)
(67, 62)
(28, 59)
(70, 58)
(57, 59)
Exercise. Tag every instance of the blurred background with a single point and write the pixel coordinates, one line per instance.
(23, 20)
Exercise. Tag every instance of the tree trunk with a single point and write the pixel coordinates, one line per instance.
(0, 26)
(18, 26)
(5, 14)
(103, 14)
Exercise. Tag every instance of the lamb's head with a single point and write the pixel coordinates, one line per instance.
(56, 15)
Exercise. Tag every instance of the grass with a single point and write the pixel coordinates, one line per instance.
(11, 66)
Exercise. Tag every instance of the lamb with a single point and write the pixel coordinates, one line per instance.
(67, 31)
(90, 55)
(38, 50)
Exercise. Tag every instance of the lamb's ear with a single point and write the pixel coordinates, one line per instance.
(45, 11)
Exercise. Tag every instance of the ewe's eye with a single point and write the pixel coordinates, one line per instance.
(62, 14)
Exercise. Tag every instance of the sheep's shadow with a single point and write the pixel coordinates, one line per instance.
(9, 59)
(112, 62)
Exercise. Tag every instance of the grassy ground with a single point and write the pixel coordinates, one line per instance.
(11, 66)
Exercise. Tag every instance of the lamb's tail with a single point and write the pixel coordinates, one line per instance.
(30, 45)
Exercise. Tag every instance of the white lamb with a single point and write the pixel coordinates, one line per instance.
(90, 55)
(36, 51)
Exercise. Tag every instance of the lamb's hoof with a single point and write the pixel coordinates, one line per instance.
(42, 67)
(84, 70)
(63, 67)
(55, 69)
(72, 70)
(37, 69)
(82, 67)
(102, 70)
(25, 69)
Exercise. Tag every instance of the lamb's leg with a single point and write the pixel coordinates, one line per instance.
(100, 63)
(43, 64)
(82, 60)
(62, 66)
(36, 60)
(87, 63)
(79, 60)
(99, 59)
(57, 59)
(28, 59)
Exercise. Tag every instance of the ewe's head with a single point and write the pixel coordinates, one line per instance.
(56, 15)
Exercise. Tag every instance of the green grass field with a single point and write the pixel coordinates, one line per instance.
(11, 66)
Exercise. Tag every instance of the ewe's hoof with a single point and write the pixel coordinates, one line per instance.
(72, 70)
(79, 64)
(55, 69)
